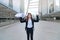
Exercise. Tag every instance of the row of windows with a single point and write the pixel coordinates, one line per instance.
(49, 6)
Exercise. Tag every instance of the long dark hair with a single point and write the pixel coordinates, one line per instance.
(28, 17)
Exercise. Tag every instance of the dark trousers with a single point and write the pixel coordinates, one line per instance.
(29, 32)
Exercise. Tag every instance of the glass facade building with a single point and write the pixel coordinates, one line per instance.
(49, 6)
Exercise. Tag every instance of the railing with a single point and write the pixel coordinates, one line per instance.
(3, 20)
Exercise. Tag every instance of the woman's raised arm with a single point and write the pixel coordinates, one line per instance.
(37, 19)
(22, 20)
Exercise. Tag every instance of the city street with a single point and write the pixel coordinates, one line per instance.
(43, 30)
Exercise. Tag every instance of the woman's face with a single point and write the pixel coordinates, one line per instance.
(29, 15)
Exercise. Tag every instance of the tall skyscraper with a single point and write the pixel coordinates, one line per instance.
(11, 4)
(21, 6)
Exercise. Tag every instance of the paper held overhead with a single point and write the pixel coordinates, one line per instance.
(19, 15)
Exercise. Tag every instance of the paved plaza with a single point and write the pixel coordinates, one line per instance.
(43, 30)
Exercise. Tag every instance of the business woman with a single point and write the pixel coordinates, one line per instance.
(29, 24)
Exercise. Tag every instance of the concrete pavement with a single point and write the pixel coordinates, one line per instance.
(43, 30)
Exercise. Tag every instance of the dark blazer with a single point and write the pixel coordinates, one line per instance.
(22, 20)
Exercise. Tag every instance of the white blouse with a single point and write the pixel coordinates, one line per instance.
(29, 23)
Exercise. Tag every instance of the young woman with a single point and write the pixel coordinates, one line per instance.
(29, 25)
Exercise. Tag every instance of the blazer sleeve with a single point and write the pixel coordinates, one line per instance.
(22, 20)
(37, 19)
